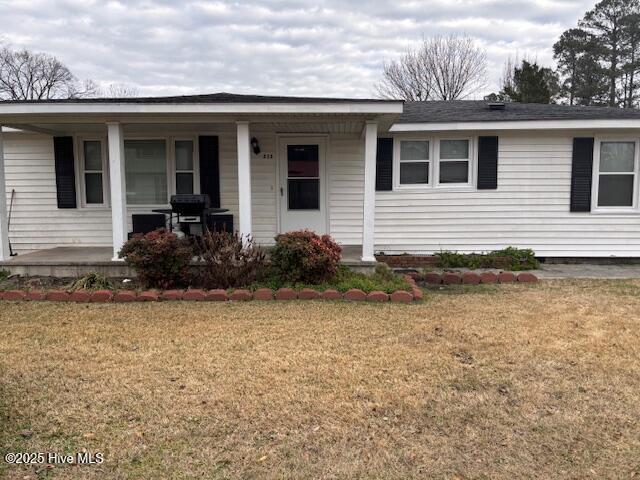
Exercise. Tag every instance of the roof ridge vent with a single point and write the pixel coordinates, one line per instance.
(496, 105)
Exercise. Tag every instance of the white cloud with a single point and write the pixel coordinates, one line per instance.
(287, 47)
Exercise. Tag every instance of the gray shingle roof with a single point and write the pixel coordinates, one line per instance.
(477, 111)
(209, 98)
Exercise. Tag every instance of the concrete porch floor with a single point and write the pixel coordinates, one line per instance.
(77, 261)
(67, 262)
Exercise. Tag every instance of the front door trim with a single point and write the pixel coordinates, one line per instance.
(282, 139)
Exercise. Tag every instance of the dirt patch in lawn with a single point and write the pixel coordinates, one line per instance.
(508, 381)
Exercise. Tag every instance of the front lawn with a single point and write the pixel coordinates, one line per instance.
(500, 381)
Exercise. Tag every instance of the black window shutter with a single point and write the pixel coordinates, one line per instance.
(65, 172)
(209, 168)
(384, 164)
(487, 163)
(581, 173)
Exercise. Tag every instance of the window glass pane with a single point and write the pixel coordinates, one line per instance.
(184, 155)
(93, 187)
(414, 150)
(452, 149)
(617, 156)
(615, 191)
(184, 183)
(414, 172)
(304, 194)
(146, 172)
(454, 172)
(92, 155)
(302, 161)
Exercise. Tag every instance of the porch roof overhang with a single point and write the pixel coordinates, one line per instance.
(58, 118)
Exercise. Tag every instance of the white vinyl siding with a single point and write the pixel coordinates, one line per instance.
(37, 223)
(530, 208)
(345, 161)
(36, 220)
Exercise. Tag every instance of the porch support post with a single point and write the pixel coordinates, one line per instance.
(369, 203)
(118, 187)
(4, 227)
(244, 179)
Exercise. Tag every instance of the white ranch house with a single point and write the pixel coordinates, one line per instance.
(379, 176)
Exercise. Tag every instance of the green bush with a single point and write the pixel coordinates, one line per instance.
(92, 281)
(509, 258)
(304, 257)
(228, 262)
(159, 258)
(383, 279)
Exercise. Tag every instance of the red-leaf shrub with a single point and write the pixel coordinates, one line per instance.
(160, 258)
(228, 262)
(306, 257)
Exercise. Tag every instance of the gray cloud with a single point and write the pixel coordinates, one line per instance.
(275, 46)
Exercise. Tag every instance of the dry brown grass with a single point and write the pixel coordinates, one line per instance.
(502, 382)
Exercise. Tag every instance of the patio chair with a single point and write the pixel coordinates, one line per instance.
(147, 222)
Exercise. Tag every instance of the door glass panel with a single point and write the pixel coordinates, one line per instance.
(304, 194)
(302, 161)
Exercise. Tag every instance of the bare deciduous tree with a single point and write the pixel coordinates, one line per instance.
(406, 79)
(25, 75)
(442, 68)
(120, 90)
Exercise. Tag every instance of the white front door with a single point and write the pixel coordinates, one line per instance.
(302, 184)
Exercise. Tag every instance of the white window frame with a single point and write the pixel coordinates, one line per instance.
(469, 160)
(174, 166)
(396, 163)
(434, 163)
(169, 160)
(81, 172)
(595, 183)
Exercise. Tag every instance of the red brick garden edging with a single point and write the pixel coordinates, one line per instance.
(197, 295)
(266, 294)
(473, 278)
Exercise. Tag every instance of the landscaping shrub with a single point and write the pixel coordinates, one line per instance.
(92, 281)
(228, 263)
(345, 279)
(160, 258)
(509, 258)
(305, 257)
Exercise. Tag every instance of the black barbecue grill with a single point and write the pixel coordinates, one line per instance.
(193, 212)
(189, 204)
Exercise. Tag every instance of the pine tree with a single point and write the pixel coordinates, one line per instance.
(608, 23)
(530, 83)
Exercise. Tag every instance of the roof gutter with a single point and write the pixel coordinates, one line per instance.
(517, 125)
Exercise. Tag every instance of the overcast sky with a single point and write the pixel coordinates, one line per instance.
(284, 47)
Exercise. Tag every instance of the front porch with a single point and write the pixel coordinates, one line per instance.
(77, 261)
(82, 170)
